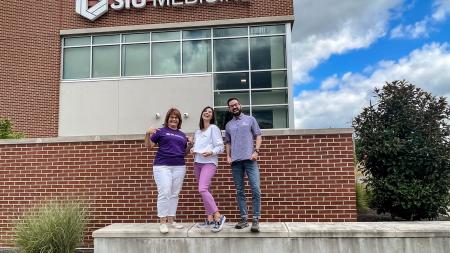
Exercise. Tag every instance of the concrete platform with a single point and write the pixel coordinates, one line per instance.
(367, 237)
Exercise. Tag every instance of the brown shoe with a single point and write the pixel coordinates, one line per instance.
(242, 224)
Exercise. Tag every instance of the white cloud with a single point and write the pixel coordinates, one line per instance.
(417, 30)
(327, 27)
(441, 10)
(422, 29)
(342, 98)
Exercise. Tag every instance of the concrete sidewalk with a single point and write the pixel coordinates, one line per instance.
(367, 237)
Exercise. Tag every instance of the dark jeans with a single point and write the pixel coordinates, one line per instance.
(239, 170)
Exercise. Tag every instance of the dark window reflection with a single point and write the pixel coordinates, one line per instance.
(230, 54)
(231, 81)
(223, 116)
(264, 118)
(269, 79)
(271, 117)
(268, 52)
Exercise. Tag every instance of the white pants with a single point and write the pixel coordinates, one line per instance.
(169, 180)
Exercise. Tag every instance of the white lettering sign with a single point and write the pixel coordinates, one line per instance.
(101, 7)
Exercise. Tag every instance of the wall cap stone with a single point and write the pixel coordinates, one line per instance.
(132, 137)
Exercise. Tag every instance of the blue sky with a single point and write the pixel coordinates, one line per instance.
(342, 50)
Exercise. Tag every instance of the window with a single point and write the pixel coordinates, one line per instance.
(271, 117)
(269, 79)
(196, 56)
(166, 58)
(76, 63)
(231, 81)
(264, 97)
(105, 61)
(268, 52)
(247, 62)
(221, 97)
(135, 59)
(231, 54)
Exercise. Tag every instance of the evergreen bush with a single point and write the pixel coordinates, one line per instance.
(404, 149)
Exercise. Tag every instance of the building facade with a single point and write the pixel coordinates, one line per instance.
(76, 68)
(96, 74)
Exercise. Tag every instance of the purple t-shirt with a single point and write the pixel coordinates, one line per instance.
(172, 147)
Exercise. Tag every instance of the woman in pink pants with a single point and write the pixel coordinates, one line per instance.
(208, 143)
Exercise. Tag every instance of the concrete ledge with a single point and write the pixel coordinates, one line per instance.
(265, 132)
(355, 237)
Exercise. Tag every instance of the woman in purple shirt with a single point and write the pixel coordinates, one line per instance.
(169, 166)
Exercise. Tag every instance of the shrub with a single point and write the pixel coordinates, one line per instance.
(6, 131)
(404, 149)
(56, 227)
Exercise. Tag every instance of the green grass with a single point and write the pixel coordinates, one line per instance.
(56, 227)
(362, 198)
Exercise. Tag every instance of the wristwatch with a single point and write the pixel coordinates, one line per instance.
(257, 151)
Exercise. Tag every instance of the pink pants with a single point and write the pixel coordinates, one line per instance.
(204, 172)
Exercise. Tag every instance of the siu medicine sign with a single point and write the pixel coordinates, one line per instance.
(101, 7)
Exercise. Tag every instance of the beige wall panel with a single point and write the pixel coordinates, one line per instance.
(88, 108)
(140, 101)
(130, 106)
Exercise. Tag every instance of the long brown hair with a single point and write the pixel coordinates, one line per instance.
(211, 121)
(175, 112)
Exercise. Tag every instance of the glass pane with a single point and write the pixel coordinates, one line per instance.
(271, 117)
(267, 52)
(229, 32)
(77, 41)
(269, 79)
(137, 37)
(230, 54)
(106, 39)
(197, 56)
(231, 81)
(221, 98)
(197, 34)
(76, 63)
(270, 29)
(136, 59)
(166, 58)
(105, 61)
(165, 35)
(223, 115)
(269, 97)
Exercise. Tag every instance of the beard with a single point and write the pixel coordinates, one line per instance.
(237, 112)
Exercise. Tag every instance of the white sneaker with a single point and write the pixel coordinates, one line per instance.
(163, 228)
(175, 225)
(218, 225)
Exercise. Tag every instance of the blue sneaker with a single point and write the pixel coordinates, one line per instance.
(218, 225)
(205, 224)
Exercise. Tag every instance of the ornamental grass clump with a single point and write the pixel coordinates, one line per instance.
(56, 227)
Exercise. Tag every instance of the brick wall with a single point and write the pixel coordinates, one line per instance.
(30, 49)
(305, 176)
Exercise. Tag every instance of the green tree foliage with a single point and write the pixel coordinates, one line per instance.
(6, 131)
(404, 147)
